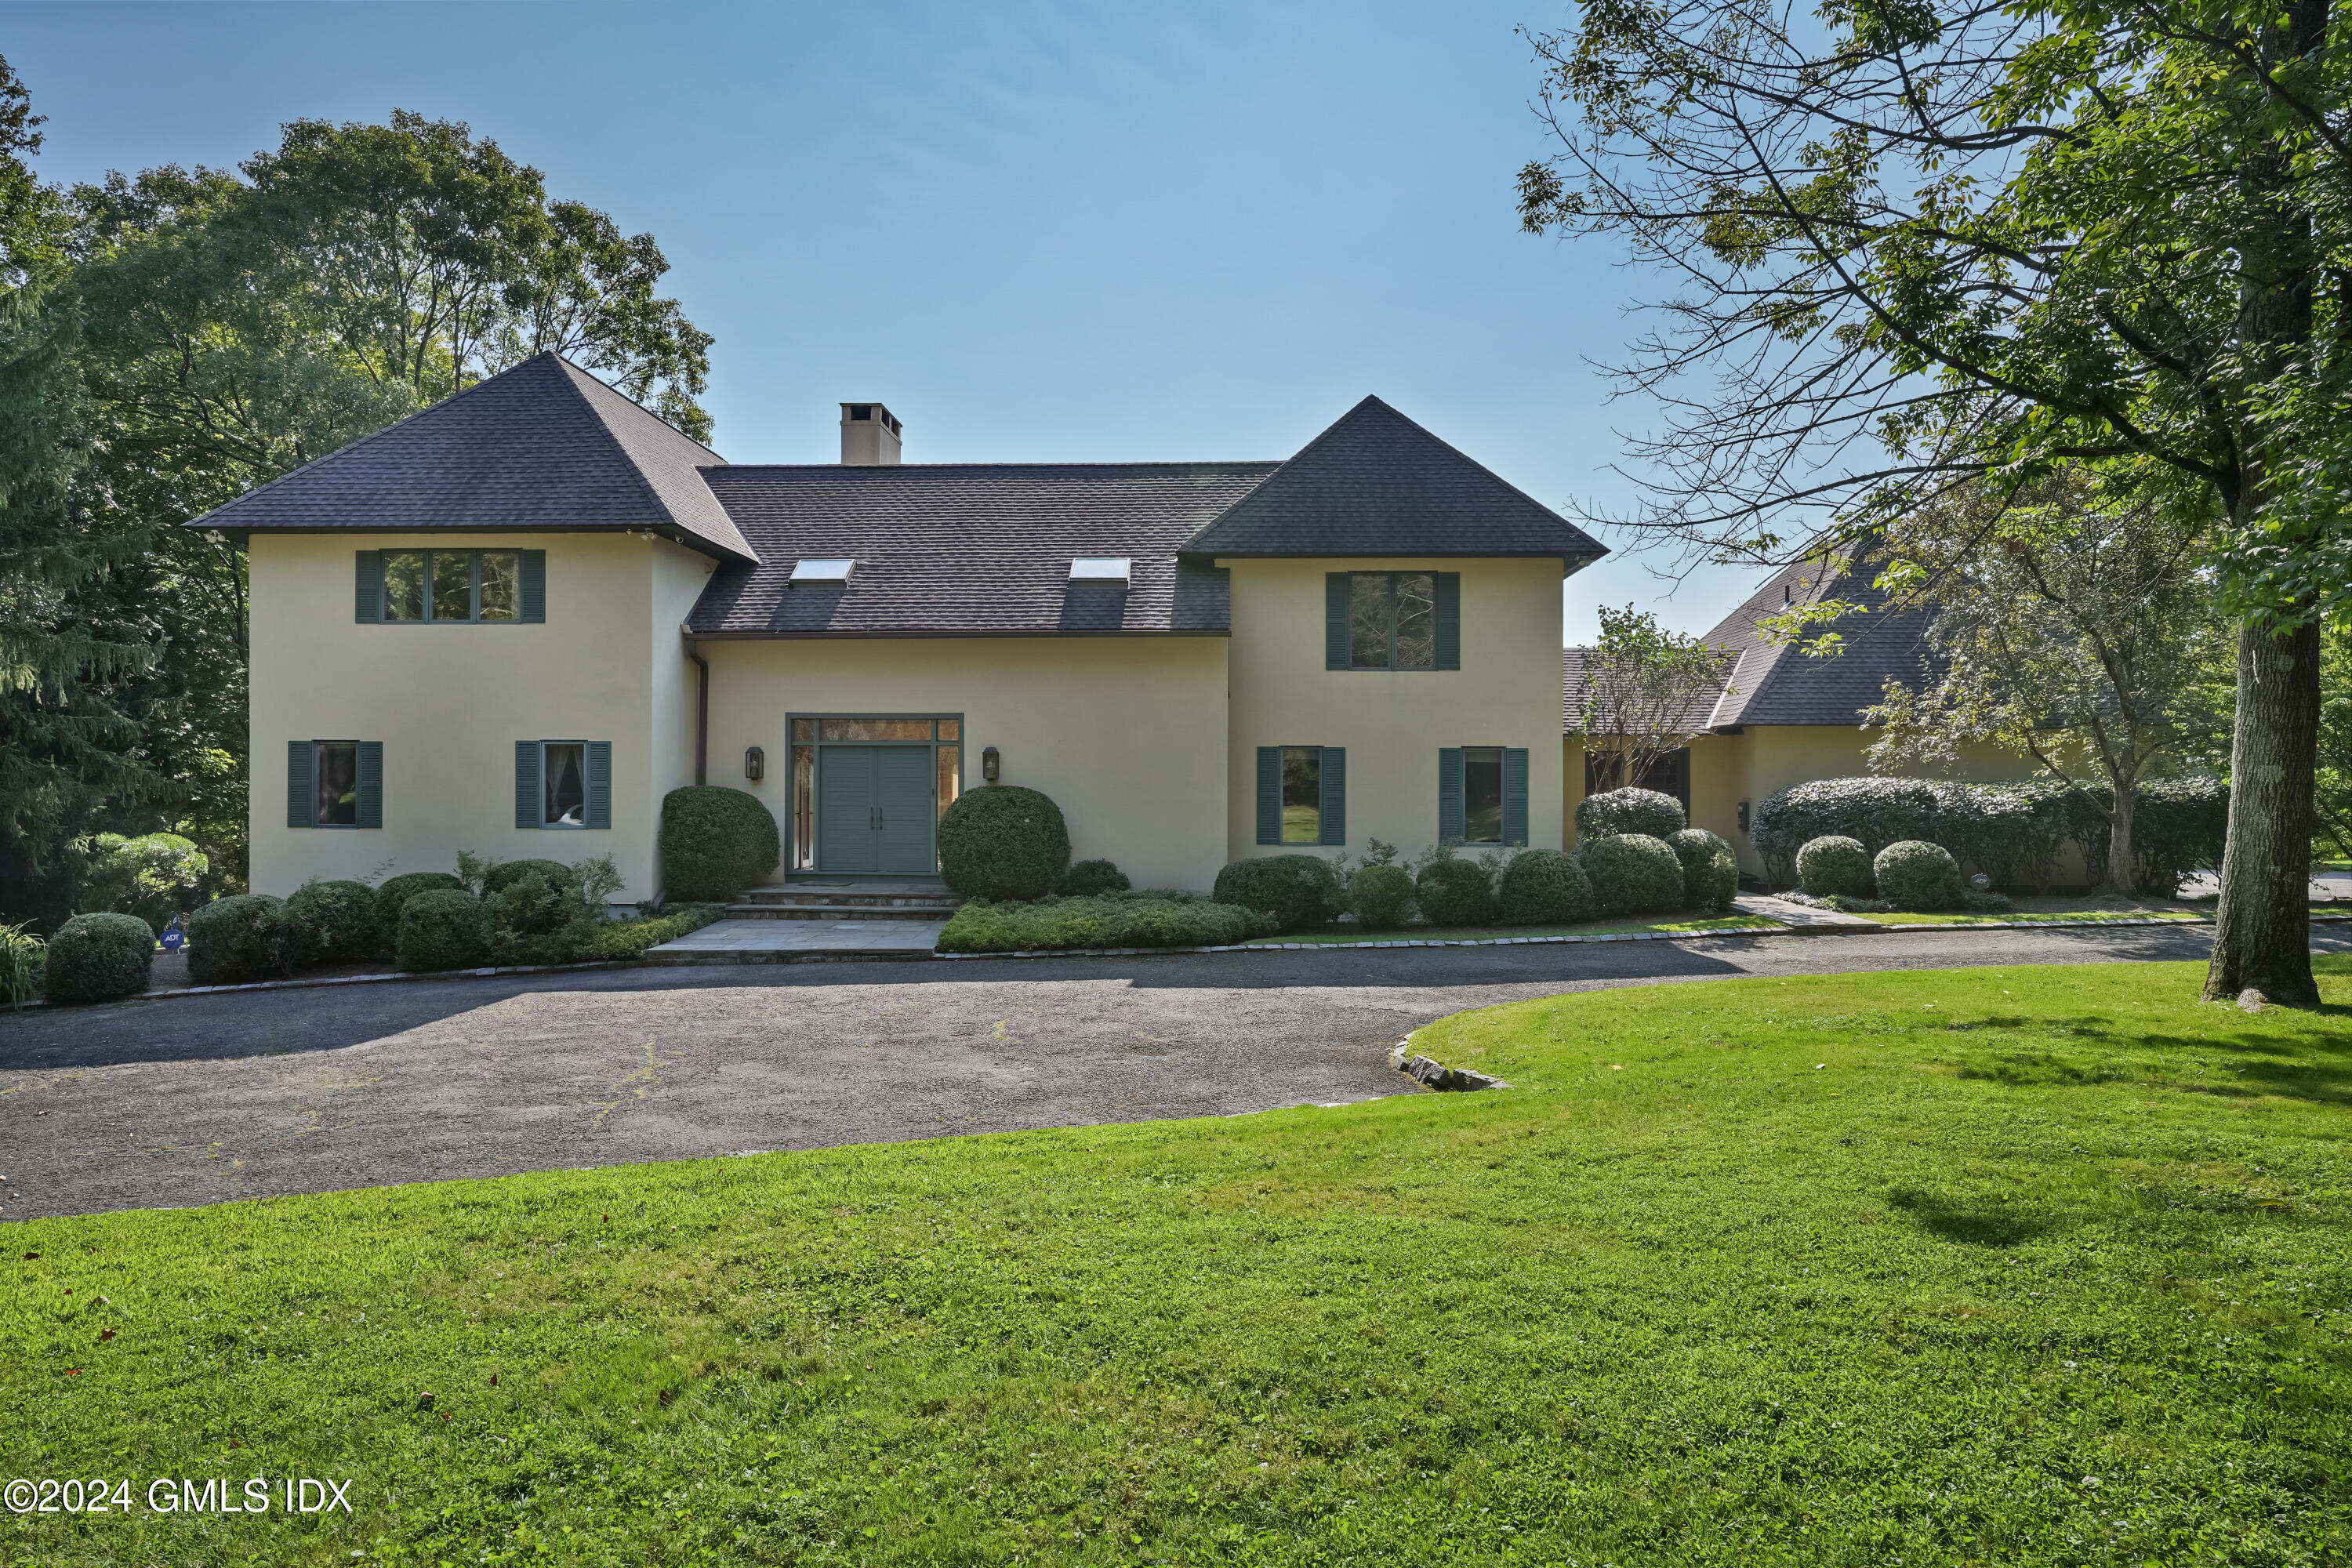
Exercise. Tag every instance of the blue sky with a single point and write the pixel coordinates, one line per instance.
(1035, 230)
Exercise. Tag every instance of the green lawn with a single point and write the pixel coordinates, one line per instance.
(1993, 1266)
(1915, 917)
(1488, 933)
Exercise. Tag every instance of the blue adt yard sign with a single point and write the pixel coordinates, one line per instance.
(173, 936)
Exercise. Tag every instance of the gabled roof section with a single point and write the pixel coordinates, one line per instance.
(1772, 682)
(541, 446)
(972, 549)
(1376, 483)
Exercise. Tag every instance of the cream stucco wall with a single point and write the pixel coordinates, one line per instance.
(1394, 722)
(1127, 734)
(449, 702)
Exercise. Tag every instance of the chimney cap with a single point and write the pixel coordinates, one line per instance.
(873, 413)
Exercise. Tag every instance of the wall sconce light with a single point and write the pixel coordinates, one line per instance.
(988, 763)
(1743, 816)
(755, 763)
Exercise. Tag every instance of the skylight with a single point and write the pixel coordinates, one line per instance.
(816, 573)
(1100, 569)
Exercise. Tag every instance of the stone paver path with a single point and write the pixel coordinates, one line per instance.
(759, 941)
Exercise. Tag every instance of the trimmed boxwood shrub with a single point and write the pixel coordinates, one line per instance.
(716, 842)
(1454, 893)
(1643, 811)
(1871, 811)
(1913, 874)
(608, 939)
(331, 922)
(1057, 925)
(1710, 870)
(239, 938)
(1382, 896)
(395, 892)
(443, 929)
(1633, 873)
(1834, 866)
(507, 873)
(1001, 841)
(1544, 886)
(1088, 877)
(96, 958)
(1299, 891)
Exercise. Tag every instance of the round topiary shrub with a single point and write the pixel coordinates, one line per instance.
(1090, 878)
(1001, 841)
(1454, 893)
(1633, 873)
(507, 873)
(716, 842)
(1917, 875)
(1382, 896)
(1833, 866)
(1544, 886)
(97, 958)
(239, 938)
(443, 929)
(1710, 870)
(394, 892)
(1617, 811)
(333, 922)
(1299, 891)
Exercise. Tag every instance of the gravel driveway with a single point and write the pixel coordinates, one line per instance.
(194, 1100)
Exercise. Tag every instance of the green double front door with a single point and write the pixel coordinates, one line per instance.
(875, 810)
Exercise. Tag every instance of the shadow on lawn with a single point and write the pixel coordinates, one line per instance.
(2092, 1051)
(1966, 1226)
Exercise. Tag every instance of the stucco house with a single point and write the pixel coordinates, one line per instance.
(533, 609)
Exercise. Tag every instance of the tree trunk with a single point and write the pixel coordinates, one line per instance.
(2262, 933)
(2121, 881)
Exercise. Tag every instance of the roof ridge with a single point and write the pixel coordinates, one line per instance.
(1269, 463)
(620, 447)
(583, 371)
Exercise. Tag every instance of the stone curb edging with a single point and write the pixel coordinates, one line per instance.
(325, 981)
(1361, 946)
(1436, 1075)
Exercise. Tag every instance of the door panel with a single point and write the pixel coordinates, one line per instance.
(908, 814)
(845, 806)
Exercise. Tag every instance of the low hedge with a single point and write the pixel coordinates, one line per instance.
(1833, 867)
(392, 895)
(331, 922)
(1382, 896)
(1616, 811)
(239, 938)
(1710, 870)
(1455, 893)
(716, 842)
(507, 873)
(1633, 873)
(1001, 841)
(97, 958)
(1088, 877)
(443, 929)
(1058, 924)
(1300, 891)
(1544, 886)
(1915, 875)
(627, 940)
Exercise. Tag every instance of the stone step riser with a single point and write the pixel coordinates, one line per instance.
(835, 912)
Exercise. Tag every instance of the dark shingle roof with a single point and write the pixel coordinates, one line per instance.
(1779, 683)
(1376, 483)
(971, 549)
(543, 446)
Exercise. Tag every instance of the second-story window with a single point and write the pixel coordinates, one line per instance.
(1392, 620)
(452, 585)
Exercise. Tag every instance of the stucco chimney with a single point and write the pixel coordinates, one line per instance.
(869, 435)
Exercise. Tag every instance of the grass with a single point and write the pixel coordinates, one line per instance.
(2016, 1266)
(1488, 933)
(1919, 918)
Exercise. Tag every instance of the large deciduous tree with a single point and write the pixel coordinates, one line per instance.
(1907, 245)
(1644, 693)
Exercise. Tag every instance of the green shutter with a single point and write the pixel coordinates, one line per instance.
(1449, 620)
(369, 604)
(370, 783)
(1269, 794)
(1514, 795)
(1336, 591)
(1451, 826)
(302, 784)
(526, 784)
(600, 783)
(1335, 795)
(534, 585)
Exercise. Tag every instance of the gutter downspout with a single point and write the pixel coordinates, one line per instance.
(701, 706)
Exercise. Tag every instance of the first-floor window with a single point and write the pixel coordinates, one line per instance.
(1302, 794)
(334, 783)
(565, 773)
(337, 777)
(1481, 795)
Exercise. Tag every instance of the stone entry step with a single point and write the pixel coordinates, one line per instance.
(846, 902)
(800, 942)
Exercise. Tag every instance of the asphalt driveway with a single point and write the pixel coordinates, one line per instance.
(195, 1101)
